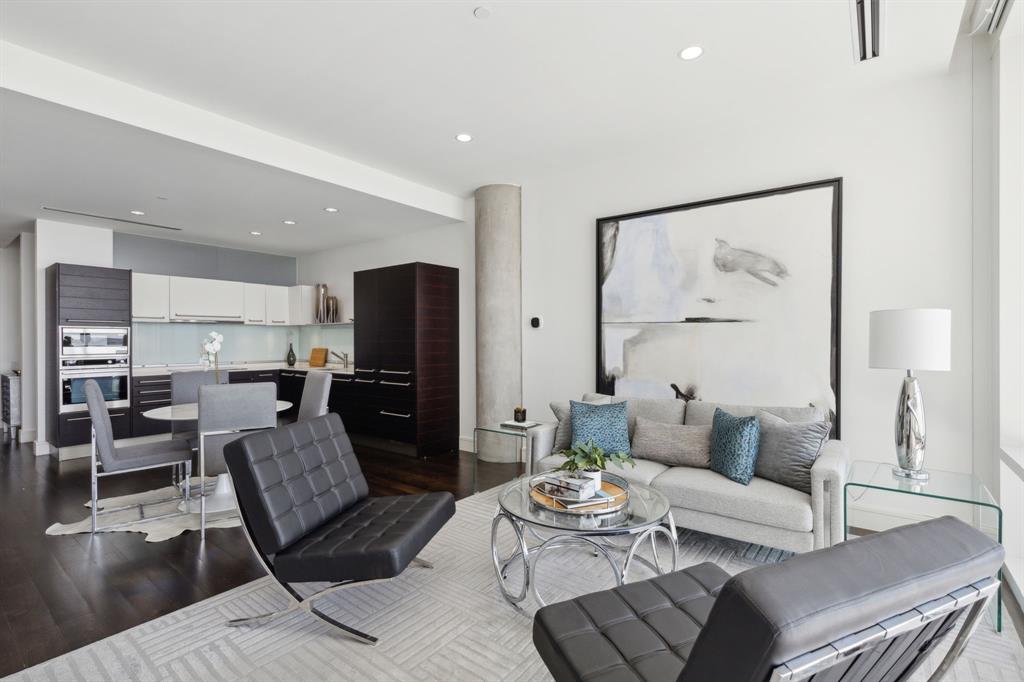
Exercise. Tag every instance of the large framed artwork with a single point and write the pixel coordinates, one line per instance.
(732, 300)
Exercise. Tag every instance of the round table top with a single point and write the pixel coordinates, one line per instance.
(646, 507)
(190, 411)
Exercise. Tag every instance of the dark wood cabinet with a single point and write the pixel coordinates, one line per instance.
(406, 382)
(289, 387)
(253, 376)
(76, 427)
(92, 295)
(149, 392)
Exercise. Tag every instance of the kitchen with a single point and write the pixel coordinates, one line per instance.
(395, 378)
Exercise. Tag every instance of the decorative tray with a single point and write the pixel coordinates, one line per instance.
(615, 487)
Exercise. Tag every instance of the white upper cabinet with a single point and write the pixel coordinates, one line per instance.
(150, 297)
(277, 305)
(255, 303)
(300, 304)
(200, 300)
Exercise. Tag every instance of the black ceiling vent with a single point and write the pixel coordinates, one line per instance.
(106, 217)
(867, 18)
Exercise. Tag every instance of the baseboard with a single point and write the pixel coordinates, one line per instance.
(466, 443)
(42, 448)
(26, 436)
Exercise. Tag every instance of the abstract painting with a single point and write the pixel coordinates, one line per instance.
(732, 300)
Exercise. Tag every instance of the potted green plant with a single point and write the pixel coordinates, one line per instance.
(588, 460)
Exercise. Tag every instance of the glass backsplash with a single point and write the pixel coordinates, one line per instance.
(181, 343)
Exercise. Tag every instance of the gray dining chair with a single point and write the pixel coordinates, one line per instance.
(226, 413)
(121, 460)
(184, 390)
(315, 394)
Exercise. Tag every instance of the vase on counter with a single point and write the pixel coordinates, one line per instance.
(290, 358)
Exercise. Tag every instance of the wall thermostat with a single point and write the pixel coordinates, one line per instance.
(536, 322)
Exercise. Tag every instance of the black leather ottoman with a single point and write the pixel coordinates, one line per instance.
(640, 631)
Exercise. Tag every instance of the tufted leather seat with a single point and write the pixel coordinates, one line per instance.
(305, 501)
(639, 631)
(375, 538)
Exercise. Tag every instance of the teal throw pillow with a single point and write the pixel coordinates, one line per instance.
(734, 443)
(606, 425)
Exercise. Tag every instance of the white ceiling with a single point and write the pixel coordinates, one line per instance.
(542, 86)
(61, 158)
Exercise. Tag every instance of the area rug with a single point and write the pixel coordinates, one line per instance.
(158, 503)
(447, 623)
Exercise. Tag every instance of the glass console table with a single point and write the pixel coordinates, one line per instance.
(519, 442)
(951, 493)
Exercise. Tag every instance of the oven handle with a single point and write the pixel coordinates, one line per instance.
(77, 374)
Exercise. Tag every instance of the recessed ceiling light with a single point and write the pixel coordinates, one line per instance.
(464, 137)
(254, 233)
(481, 13)
(137, 212)
(331, 209)
(288, 222)
(691, 52)
(162, 198)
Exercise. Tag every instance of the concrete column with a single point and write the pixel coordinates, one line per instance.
(499, 351)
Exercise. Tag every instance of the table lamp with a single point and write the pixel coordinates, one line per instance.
(910, 339)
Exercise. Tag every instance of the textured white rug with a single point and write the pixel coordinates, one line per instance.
(449, 623)
(131, 520)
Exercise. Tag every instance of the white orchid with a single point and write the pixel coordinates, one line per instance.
(212, 344)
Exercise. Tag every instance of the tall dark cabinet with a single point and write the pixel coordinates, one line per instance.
(406, 382)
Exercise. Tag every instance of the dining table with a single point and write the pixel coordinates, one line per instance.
(223, 496)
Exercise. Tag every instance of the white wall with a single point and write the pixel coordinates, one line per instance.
(905, 154)
(27, 272)
(450, 245)
(60, 243)
(10, 307)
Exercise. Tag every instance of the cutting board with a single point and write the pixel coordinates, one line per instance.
(318, 357)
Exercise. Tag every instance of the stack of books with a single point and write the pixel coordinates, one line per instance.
(522, 426)
(568, 488)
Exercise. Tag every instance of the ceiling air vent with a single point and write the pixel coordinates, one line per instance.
(987, 16)
(107, 217)
(867, 18)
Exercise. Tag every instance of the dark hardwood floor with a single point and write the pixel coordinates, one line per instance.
(58, 593)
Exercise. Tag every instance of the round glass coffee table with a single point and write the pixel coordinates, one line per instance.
(617, 536)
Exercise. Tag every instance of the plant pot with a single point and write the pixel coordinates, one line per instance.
(596, 475)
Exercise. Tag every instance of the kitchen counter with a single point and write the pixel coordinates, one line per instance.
(158, 370)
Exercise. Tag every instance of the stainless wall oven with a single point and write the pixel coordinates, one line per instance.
(84, 341)
(111, 373)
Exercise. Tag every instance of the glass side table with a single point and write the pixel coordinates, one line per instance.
(519, 442)
(944, 493)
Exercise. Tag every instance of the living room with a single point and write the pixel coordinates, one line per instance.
(472, 243)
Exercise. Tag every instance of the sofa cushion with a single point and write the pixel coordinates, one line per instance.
(644, 472)
(672, 444)
(787, 451)
(700, 412)
(734, 443)
(563, 432)
(664, 410)
(638, 631)
(602, 425)
(761, 501)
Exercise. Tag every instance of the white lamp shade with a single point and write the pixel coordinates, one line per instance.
(915, 338)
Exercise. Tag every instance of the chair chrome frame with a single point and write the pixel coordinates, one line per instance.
(306, 603)
(841, 651)
(95, 474)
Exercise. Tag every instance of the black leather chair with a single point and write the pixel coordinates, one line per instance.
(305, 508)
(869, 609)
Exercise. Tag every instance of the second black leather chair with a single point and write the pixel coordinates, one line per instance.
(305, 506)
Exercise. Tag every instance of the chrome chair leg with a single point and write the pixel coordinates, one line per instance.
(188, 481)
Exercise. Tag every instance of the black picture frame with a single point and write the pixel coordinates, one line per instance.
(602, 384)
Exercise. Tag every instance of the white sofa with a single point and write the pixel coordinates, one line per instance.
(762, 512)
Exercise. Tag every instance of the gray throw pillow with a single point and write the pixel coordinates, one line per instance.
(787, 450)
(672, 444)
(563, 432)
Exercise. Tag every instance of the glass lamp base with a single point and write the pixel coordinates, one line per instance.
(919, 475)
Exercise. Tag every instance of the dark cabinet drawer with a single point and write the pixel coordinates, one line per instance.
(144, 426)
(76, 428)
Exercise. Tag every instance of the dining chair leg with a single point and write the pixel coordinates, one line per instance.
(95, 498)
(202, 487)
(187, 495)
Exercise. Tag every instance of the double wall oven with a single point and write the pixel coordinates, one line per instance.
(99, 353)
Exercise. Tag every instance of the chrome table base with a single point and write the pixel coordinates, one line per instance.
(619, 556)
